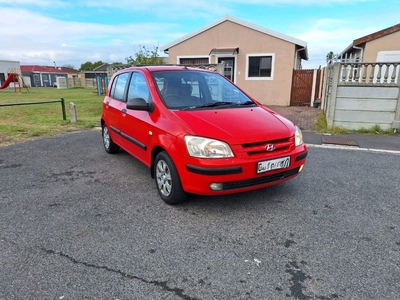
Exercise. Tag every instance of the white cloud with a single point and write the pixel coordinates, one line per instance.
(327, 35)
(36, 39)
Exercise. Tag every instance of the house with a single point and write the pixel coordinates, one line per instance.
(257, 59)
(380, 46)
(362, 87)
(45, 76)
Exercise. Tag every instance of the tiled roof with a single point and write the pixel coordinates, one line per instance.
(377, 35)
(243, 23)
(47, 69)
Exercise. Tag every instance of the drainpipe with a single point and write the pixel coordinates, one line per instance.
(361, 51)
(297, 52)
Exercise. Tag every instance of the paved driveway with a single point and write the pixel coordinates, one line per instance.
(303, 116)
(77, 223)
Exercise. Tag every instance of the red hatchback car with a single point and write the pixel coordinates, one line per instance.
(198, 132)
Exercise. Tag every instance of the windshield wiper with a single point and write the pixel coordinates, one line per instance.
(247, 103)
(216, 103)
(211, 104)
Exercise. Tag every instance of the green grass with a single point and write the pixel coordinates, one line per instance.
(25, 122)
(322, 127)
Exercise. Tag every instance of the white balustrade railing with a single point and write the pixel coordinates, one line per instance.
(386, 73)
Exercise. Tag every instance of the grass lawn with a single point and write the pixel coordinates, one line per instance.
(26, 122)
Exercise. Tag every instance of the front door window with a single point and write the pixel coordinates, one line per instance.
(229, 67)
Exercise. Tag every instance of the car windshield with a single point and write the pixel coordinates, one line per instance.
(192, 89)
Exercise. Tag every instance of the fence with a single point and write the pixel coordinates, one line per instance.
(363, 95)
(74, 82)
(306, 87)
(40, 102)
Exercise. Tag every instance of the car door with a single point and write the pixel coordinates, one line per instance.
(137, 124)
(114, 105)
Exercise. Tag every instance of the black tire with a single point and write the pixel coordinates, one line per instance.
(167, 180)
(108, 143)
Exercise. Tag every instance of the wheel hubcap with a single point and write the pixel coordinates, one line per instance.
(106, 137)
(163, 176)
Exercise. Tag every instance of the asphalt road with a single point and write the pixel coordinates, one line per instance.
(78, 223)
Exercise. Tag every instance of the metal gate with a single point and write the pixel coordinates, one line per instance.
(302, 84)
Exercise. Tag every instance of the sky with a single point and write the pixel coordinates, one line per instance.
(61, 33)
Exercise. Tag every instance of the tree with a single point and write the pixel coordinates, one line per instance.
(330, 57)
(69, 66)
(89, 66)
(145, 57)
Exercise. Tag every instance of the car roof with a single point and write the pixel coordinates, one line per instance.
(155, 68)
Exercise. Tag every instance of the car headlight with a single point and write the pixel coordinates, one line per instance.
(207, 148)
(298, 137)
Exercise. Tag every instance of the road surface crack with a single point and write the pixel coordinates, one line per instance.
(162, 284)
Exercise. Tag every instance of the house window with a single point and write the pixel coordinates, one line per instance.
(193, 61)
(260, 66)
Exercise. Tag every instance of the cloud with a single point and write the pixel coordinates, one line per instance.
(325, 35)
(36, 39)
(73, 32)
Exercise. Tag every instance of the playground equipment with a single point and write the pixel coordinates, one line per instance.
(102, 83)
(14, 76)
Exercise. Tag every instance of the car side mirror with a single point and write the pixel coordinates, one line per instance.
(139, 104)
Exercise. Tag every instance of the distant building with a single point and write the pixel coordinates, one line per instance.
(99, 71)
(45, 76)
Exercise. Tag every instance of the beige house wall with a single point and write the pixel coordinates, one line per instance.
(273, 91)
(389, 42)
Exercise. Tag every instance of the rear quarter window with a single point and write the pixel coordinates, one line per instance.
(119, 86)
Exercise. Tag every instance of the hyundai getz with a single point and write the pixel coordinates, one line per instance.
(198, 132)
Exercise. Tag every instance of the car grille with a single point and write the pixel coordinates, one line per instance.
(259, 180)
(259, 148)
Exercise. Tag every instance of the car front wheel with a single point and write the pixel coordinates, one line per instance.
(108, 143)
(167, 180)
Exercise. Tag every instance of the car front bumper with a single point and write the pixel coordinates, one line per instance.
(233, 175)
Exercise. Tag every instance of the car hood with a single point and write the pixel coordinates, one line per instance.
(237, 125)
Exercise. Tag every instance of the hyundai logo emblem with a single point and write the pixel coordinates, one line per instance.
(270, 147)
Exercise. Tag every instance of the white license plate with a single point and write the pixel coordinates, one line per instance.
(273, 164)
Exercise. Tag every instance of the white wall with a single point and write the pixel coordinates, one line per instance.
(363, 102)
(7, 64)
(366, 106)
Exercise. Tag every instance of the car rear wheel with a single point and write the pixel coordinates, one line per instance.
(167, 180)
(108, 143)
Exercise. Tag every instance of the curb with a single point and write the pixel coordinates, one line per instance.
(353, 148)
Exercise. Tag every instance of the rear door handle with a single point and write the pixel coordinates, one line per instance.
(123, 111)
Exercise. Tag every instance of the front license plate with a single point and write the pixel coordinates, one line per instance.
(273, 164)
